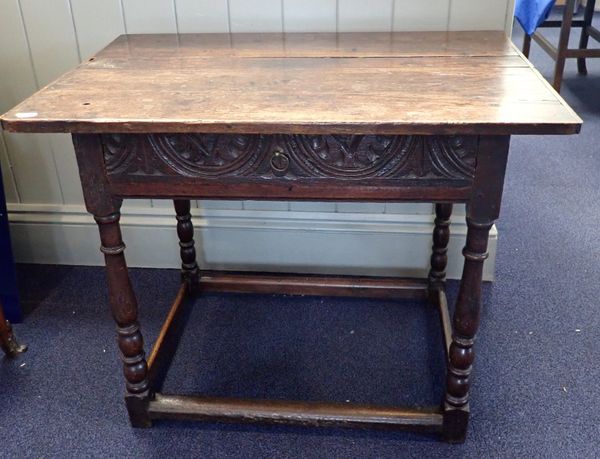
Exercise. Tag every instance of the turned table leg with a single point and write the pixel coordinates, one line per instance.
(185, 230)
(482, 210)
(125, 313)
(439, 255)
(8, 342)
(465, 325)
(105, 207)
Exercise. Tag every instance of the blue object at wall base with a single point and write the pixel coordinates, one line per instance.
(9, 294)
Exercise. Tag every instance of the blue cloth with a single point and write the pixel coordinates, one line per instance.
(531, 13)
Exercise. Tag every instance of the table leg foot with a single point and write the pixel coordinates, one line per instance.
(137, 407)
(456, 422)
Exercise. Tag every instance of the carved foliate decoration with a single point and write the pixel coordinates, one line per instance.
(350, 157)
(208, 154)
(451, 157)
(358, 156)
(118, 152)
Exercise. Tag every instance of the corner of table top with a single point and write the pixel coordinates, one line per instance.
(24, 118)
(6, 123)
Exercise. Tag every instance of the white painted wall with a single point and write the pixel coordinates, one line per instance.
(40, 39)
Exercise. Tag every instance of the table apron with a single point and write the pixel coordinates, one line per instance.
(291, 167)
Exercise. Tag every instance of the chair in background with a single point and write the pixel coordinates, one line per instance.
(8, 343)
(561, 53)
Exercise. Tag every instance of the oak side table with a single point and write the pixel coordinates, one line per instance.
(404, 117)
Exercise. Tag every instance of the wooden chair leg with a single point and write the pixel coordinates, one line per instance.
(583, 40)
(8, 342)
(526, 45)
(563, 44)
(482, 210)
(439, 255)
(125, 313)
(185, 230)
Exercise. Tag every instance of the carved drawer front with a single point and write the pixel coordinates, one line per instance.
(278, 158)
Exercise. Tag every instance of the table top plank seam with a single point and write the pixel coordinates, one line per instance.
(546, 83)
(386, 94)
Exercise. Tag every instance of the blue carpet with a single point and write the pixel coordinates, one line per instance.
(535, 392)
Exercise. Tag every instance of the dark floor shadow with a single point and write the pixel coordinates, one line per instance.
(373, 352)
(584, 92)
(37, 282)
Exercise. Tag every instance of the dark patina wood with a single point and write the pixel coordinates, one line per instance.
(106, 211)
(439, 251)
(482, 210)
(406, 117)
(187, 251)
(286, 412)
(170, 333)
(291, 166)
(313, 284)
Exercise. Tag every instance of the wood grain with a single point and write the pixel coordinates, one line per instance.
(366, 44)
(363, 83)
(316, 285)
(293, 412)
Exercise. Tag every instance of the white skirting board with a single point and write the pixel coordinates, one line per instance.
(311, 242)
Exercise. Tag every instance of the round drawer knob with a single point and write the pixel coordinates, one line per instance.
(279, 162)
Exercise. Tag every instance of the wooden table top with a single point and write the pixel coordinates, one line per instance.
(360, 83)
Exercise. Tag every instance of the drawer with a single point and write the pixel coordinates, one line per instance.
(348, 157)
(280, 160)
